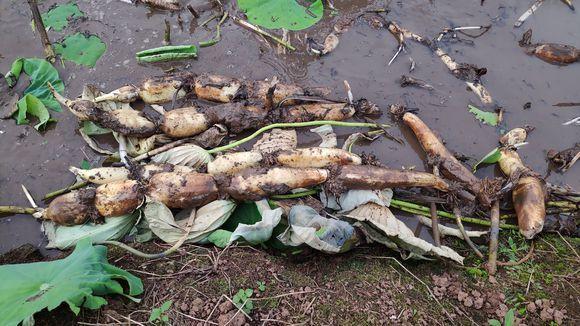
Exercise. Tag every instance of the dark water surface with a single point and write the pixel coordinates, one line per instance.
(40, 160)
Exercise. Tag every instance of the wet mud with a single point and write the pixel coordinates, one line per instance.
(40, 160)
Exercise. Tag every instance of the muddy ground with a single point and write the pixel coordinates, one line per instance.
(344, 289)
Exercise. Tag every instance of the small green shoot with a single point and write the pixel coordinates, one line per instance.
(158, 315)
(508, 320)
(261, 286)
(513, 248)
(476, 272)
(243, 300)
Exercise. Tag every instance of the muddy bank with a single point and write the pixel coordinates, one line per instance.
(40, 160)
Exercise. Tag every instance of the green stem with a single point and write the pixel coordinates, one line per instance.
(296, 195)
(294, 125)
(562, 204)
(424, 211)
(65, 190)
(17, 210)
(208, 20)
(218, 35)
(264, 33)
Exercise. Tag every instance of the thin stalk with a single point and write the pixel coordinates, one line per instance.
(562, 204)
(264, 33)
(205, 22)
(218, 35)
(293, 125)
(165, 253)
(162, 149)
(192, 11)
(296, 195)
(48, 50)
(434, 217)
(65, 190)
(528, 13)
(470, 243)
(167, 35)
(493, 239)
(424, 211)
(17, 210)
(143, 254)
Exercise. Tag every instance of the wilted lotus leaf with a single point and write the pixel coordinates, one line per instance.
(187, 155)
(207, 219)
(381, 218)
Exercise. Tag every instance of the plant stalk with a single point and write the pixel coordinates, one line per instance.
(162, 149)
(493, 239)
(293, 125)
(263, 33)
(434, 217)
(65, 190)
(48, 50)
(17, 210)
(167, 35)
(296, 195)
(423, 210)
(470, 243)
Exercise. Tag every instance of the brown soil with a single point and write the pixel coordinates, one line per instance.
(367, 286)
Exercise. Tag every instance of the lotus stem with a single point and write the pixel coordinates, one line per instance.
(17, 210)
(296, 195)
(37, 18)
(493, 239)
(65, 190)
(434, 217)
(264, 33)
(470, 243)
(294, 125)
(424, 211)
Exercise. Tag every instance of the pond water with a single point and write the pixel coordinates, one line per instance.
(41, 160)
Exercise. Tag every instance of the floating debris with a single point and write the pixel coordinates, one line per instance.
(558, 54)
(565, 159)
(412, 81)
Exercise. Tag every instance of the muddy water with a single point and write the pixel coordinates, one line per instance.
(40, 160)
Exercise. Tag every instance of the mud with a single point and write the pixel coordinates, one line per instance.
(40, 160)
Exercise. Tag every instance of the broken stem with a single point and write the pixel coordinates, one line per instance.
(65, 190)
(167, 35)
(48, 51)
(424, 211)
(162, 149)
(470, 243)
(528, 13)
(218, 35)
(434, 217)
(192, 11)
(165, 253)
(476, 87)
(562, 204)
(263, 33)
(294, 125)
(493, 239)
(205, 22)
(296, 195)
(17, 210)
